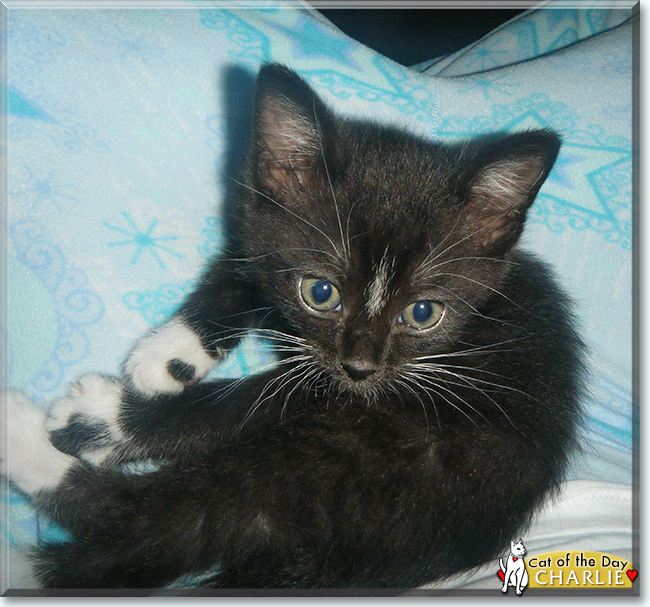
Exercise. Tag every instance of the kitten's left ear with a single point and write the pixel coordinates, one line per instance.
(503, 181)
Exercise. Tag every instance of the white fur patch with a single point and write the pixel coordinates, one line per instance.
(507, 182)
(98, 456)
(93, 396)
(147, 364)
(378, 290)
(31, 461)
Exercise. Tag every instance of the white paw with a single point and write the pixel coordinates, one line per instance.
(171, 348)
(93, 403)
(31, 460)
(92, 396)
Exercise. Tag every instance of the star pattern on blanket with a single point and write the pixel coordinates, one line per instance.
(562, 173)
(19, 104)
(331, 44)
(589, 188)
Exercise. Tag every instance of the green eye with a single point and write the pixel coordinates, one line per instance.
(320, 294)
(422, 314)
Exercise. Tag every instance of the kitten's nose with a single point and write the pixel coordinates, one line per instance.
(358, 371)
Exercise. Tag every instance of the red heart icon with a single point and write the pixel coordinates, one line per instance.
(632, 573)
(503, 575)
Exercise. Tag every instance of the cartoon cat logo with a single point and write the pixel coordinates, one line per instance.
(514, 572)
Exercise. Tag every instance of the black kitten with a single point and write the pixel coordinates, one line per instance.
(425, 400)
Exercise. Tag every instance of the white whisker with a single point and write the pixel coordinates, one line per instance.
(434, 388)
(344, 244)
(288, 210)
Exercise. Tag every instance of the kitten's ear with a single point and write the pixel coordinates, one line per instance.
(505, 176)
(289, 122)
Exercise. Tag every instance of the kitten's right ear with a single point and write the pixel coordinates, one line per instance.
(289, 122)
(504, 177)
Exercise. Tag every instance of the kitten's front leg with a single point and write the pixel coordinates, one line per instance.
(102, 420)
(210, 323)
(170, 357)
(115, 519)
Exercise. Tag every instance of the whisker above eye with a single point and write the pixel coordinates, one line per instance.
(429, 266)
(342, 257)
(344, 243)
(279, 251)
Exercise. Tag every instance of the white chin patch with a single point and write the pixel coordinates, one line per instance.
(174, 341)
(31, 461)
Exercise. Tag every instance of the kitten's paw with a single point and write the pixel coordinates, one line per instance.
(31, 461)
(169, 358)
(85, 423)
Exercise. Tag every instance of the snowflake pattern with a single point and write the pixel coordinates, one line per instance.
(500, 84)
(127, 45)
(486, 56)
(331, 45)
(143, 240)
(36, 190)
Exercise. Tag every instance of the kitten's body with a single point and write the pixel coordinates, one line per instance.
(388, 434)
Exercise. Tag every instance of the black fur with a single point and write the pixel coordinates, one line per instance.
(335, 478)
(81, 434)
(180, 370)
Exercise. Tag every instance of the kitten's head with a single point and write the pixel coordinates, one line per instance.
(378, 246)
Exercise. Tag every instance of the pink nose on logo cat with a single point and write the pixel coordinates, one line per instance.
(358, 371)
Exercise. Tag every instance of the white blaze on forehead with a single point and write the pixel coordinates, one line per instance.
(378, 290)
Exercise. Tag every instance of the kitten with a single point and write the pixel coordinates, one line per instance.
(427, 386)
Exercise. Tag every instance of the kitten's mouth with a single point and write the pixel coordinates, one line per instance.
(362, 381)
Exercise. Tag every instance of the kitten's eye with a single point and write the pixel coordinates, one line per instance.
(422, 314)
(319, 294)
